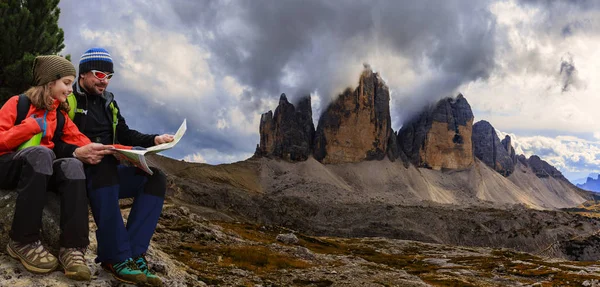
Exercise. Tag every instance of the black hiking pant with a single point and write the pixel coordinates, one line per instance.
(33, 172)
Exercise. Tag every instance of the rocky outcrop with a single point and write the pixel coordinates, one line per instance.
(357, 125)
(267, 135)
(490, 150)
(543, 169)
(507, 143)
(50, 219)
(287, 134)
(440, 138)
(523, 160)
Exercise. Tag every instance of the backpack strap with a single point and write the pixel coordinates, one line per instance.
(72, 100)
(22, 108)
(60, 124)
(115, 119)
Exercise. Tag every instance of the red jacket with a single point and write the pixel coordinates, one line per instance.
(12, 136)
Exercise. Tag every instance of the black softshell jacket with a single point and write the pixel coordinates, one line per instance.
(96, 123)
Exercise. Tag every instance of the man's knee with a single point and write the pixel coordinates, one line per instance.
(157, 183)
(71, 168)
(40, 158)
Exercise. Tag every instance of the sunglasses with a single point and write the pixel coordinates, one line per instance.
(101, 75)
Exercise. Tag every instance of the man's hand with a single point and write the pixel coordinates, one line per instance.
(166, 138)
(92, 153)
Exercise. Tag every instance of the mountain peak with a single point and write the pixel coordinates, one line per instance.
(357, 125)
(490, 150)
(289, 132)
(440, 138)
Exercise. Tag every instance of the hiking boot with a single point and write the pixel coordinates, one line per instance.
(33, 256)
(126, 271)
(73, 262)
(151, 278)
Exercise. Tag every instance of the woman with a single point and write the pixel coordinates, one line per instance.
(32, 169)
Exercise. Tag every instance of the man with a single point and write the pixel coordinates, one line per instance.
(121, 249)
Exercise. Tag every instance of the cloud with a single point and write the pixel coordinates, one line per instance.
(158, 63)
(213, 156)
(197, 157)
(544, 81)
(568, 74)
(319, 46)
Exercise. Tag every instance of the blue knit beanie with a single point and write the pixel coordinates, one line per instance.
(96, 59)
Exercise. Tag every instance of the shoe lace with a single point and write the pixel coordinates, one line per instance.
(126, 264)
(142, 263)
(33, 245)
(76, 254)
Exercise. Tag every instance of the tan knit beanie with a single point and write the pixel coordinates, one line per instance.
(49, 68)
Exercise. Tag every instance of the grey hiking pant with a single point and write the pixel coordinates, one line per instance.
(34, 171)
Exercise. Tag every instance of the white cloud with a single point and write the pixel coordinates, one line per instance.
(158, 62)
(526, 90)
(213, 156)
(197, 157)
(232, 86)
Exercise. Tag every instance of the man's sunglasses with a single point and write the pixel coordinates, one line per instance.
(101, 75)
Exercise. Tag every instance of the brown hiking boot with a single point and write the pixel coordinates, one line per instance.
(33, 256)
(73, 262)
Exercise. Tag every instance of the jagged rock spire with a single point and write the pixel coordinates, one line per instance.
(289, 132)
(440, 137)
(357, 125)
(490, 150)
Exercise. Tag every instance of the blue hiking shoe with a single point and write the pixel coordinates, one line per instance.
(151, 279)
(126, 271)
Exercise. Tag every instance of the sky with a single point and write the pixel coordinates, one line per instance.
(528, 67)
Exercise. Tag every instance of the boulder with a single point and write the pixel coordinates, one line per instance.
(288, 238)
(50, 220)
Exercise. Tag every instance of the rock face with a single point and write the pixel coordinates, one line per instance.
(507, 143)
(440, 138)
(490, 150)
(543, 169)
(523, 160)
(287, 134)
(357, 125)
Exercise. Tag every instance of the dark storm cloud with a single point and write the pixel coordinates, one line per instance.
(566, 17)
(584, 4)
(263, 42)
(568, 73)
